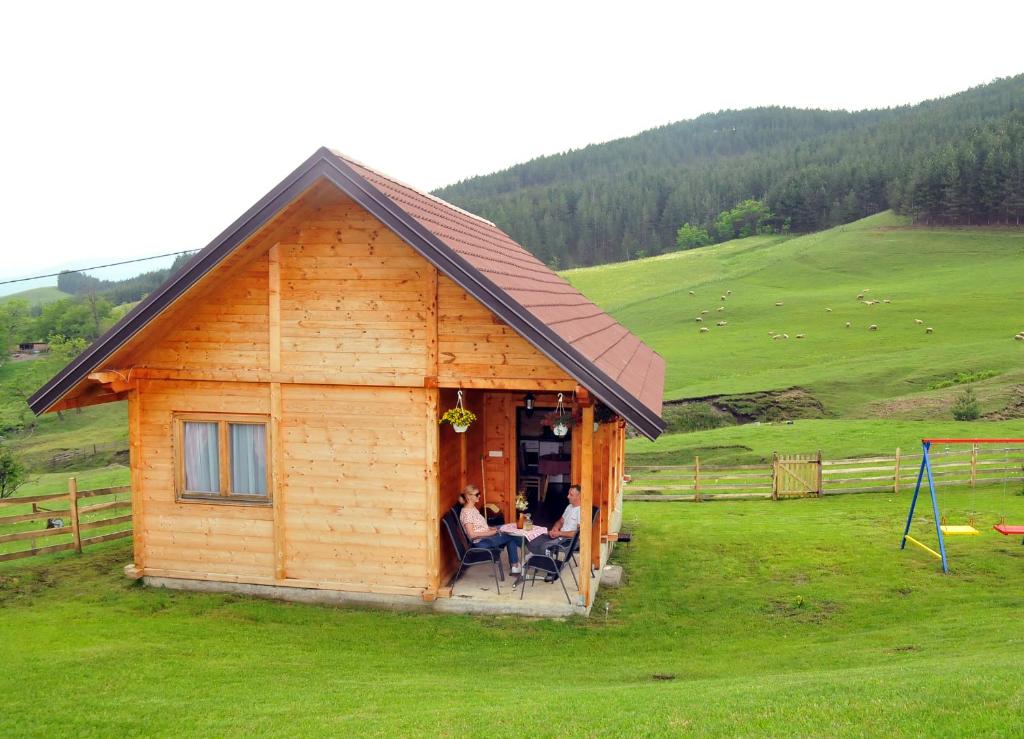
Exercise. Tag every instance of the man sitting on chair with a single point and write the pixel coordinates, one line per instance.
(565, 528)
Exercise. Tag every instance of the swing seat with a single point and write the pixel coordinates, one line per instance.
(1007, 530)
(959, 531)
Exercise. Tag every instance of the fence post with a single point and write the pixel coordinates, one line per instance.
(821, 476)
(76, 535)
(775, 475)
(974, 464)
(896, 473)
(696, 479)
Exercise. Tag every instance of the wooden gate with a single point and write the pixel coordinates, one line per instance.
(796, 476)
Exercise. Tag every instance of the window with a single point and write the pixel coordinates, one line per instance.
(221, 458)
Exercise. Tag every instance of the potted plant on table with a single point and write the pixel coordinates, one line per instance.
(521, 505)
(459, 416)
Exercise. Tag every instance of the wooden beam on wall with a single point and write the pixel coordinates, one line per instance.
(137, 477)
(433, 495)
(277, 494)
(586, 504)
(431, 325)
(274, 299)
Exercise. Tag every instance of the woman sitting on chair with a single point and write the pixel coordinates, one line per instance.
(483, 535)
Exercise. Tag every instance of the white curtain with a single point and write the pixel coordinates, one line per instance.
(202, 460)
(248, 458)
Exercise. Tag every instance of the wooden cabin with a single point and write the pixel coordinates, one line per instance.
(284, 391)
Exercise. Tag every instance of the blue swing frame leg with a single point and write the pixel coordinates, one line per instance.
(926, 467)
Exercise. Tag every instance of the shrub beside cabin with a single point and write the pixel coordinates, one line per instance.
(284, 389)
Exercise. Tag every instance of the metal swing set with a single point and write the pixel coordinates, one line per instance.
(942, 529)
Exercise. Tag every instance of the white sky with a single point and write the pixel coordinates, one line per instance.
(130, 130)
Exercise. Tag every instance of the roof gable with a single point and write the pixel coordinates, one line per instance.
(553, 316)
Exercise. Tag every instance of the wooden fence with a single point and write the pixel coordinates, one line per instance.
(65, 518)
(811, 475)
(67, 457)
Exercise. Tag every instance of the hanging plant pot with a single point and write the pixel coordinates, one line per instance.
(560, 420)
(459, 417)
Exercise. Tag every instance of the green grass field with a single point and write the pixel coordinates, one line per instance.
(744, 618)
(879, 389)
(964, 283)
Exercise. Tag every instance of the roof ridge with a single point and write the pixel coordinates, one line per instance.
(389, 178)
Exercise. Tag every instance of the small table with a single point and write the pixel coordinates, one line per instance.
(524, 537)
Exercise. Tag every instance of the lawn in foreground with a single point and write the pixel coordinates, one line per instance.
(799, 617)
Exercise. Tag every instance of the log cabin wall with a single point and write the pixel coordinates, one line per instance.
(475, 345)
(353, 302)
(222, 331)
(355, 503)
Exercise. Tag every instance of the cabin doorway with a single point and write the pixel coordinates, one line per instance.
(543, 465)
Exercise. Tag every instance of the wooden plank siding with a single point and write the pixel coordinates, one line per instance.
(354, 482)
(473, 343)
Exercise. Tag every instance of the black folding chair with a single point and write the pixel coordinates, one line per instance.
(550, 566)
(468, 554)
(567, 551)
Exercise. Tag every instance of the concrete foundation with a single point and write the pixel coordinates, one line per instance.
(469, 596)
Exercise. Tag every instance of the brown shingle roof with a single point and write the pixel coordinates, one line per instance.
(556, 318)
(550, 299)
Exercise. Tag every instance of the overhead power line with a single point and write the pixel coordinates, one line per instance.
(100, 266)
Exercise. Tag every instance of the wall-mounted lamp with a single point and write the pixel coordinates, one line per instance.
(528, 403)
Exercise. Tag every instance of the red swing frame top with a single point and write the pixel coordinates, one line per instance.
(972, 441)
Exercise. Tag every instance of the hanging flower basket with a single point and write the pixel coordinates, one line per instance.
(459, 417)
(561, 421)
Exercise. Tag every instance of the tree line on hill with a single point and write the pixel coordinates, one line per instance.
(71, 323)
(956, 160)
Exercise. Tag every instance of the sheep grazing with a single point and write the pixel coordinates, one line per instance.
(918, 321)
(886, 300)
(801, 336)
(699, 319)
(1019, 337)
(721, 323)
(929, 330)
(703, 312)
(776, 336)
(720, 308)
(860, 297)
(785, 336)
(778, 303)
(847, 324)
(828, 310)
(723, 297)
(728, 292)
(873, 327)
(704, 329)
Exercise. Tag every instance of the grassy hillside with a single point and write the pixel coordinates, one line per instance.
(965, 284)
(40, 438)
(37, 295)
